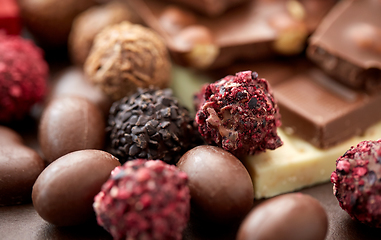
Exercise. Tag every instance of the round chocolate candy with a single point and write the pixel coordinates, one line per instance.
(290, 216)
(220, 186)
(64, 192)
(69, 124)
(19, 168)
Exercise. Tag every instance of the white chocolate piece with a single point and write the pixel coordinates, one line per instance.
(298, 164)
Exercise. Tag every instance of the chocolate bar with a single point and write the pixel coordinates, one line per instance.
(256, 30)
(9, 17)
(210, 8)
(347, 44)
(323, 111)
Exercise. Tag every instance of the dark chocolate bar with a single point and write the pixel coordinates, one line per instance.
(256, 30)
(347, 44)
(323, 111)
(210, 8)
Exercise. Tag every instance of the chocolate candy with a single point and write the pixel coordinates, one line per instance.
(256, 30)
(69, 124)
(239, 114)
(287, 217)
(151, 124)
(220, 186)
(347, 45)
(323, 111)
(126, 56)
(356, 182)
(19, 168)
(90, 22)
(64, 192)
(72, 82)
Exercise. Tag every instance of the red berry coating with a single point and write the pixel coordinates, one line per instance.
(23, 75)
(144, 200)
(357, 184)
(239, 114)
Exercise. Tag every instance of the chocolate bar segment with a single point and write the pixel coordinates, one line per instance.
(323, 111)
(256, 30)
(210, 8)
(347, 45)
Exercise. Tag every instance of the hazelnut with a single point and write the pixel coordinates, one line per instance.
(173, 19)
(198, 44)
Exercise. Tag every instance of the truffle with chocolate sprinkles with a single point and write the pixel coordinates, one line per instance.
(357, 184)
(239, 114)
(151, 124)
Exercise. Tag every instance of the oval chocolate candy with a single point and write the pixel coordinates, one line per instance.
(70, 124)
(220, 186)
(286, 217)
(64, 192)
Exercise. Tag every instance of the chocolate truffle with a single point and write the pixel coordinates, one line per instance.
(144, 200)
(72, 82)
(287, 217)
(50, 20)
(90, 22)
(69, 124)
(23, 75)
(126, 56)
(220, 186)
(151, 124)
(19, 168)
(63, 194)
(356, 182)
(239, 114)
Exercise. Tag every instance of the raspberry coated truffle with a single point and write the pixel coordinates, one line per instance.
(23, 74)
(357, 184)
(144, 200)
(239, 114)
(126, 56)
(151, 124)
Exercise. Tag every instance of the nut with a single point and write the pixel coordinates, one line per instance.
(197, 42)
(174, 19)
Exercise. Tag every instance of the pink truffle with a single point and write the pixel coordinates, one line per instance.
(23, 74)
(144, 200)
(239, 114)
(357, 184)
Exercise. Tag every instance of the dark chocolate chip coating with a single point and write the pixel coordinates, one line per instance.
(220, 186)
(64, 192)
(70, 124)
(286, 217)
(19, 168)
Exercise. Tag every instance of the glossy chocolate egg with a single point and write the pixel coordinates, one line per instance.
(64, 192)
(220, 186)
(69, 124)
(286, 217)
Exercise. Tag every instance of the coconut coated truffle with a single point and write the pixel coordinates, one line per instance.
(126, 56)
(239, 114)
(23, 74)
(357, 184)
(144, 200)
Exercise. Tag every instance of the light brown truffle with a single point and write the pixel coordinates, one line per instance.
(90, 22)
(50, 20)
(126, 56)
